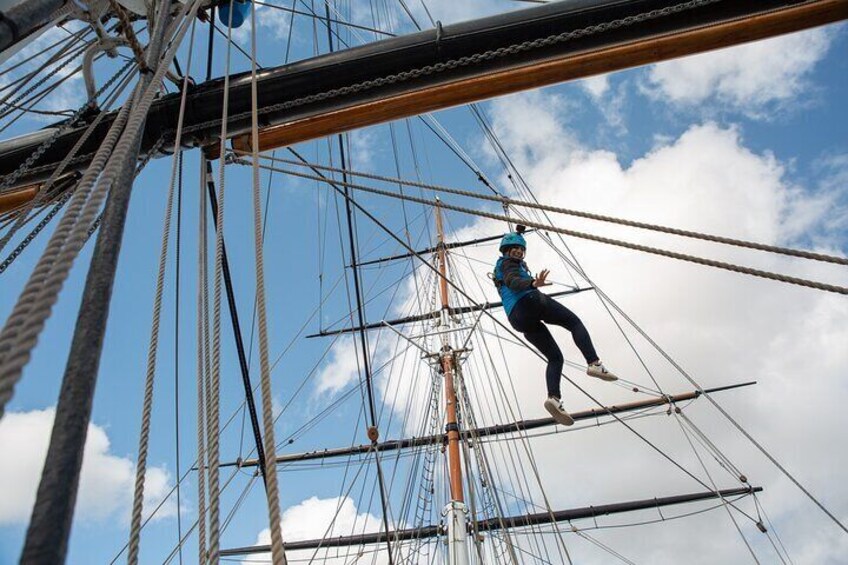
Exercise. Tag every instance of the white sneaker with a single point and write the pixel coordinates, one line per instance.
(598, 371)
(555, 408)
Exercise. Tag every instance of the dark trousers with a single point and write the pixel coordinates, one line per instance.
(527, 316)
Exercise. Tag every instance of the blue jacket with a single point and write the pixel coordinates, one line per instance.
(513, 281)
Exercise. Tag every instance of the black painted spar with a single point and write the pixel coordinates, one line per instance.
(387, 58)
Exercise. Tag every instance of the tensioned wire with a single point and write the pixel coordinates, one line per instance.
(68, 41)
(715, 487)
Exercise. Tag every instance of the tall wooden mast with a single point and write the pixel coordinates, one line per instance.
(456, 511)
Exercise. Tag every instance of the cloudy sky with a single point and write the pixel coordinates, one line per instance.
(747, 142)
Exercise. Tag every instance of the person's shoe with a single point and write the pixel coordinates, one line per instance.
(598, 371)
(554, 407)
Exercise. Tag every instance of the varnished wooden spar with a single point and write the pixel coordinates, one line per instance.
(716, 25)
(493, 524)
(569, 67)
(513, 427)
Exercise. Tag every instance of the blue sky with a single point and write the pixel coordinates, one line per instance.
(755, 135)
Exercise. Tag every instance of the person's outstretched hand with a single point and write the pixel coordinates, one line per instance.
(541, 279)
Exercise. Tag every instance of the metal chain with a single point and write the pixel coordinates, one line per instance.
(35, 231)
(468, 60)
(57, 172)
(577, 213)
(45, 145)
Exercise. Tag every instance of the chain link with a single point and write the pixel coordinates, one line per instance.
(35, 231)
(63, 128)
(468, 60)
(62, 201)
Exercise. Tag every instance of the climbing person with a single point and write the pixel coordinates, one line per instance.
(527, 308)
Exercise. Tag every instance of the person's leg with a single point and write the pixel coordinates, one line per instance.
(541, 337)
(553, 312)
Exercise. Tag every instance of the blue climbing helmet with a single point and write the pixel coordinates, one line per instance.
(511, 239)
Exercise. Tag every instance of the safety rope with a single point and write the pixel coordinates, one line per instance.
(278, 554)
(582, 235)
(506, 201)
(153, 347)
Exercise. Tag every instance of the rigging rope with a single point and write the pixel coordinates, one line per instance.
(278, 554)
(506, 201)
(153, 347)
(202, 359)
(582, 235)
(20, 333)
(213, 398)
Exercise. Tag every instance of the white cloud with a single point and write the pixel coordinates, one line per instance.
(318, 518)
(341, 369)
(596, 86)
(754, 78)
(724, 327)
(106, 483)
(274, 20)
(449, 11)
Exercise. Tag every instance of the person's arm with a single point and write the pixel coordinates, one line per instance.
(512, 276)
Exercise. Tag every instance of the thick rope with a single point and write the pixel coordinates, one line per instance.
(153, 348)
(44, 189)
(213, 398)
(506, 201)
(202, 362)
(582, 235)
(20, 334)
(12, 356)
(129, 33)
(278, 553)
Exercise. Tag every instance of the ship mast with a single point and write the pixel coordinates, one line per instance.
(456, 511)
